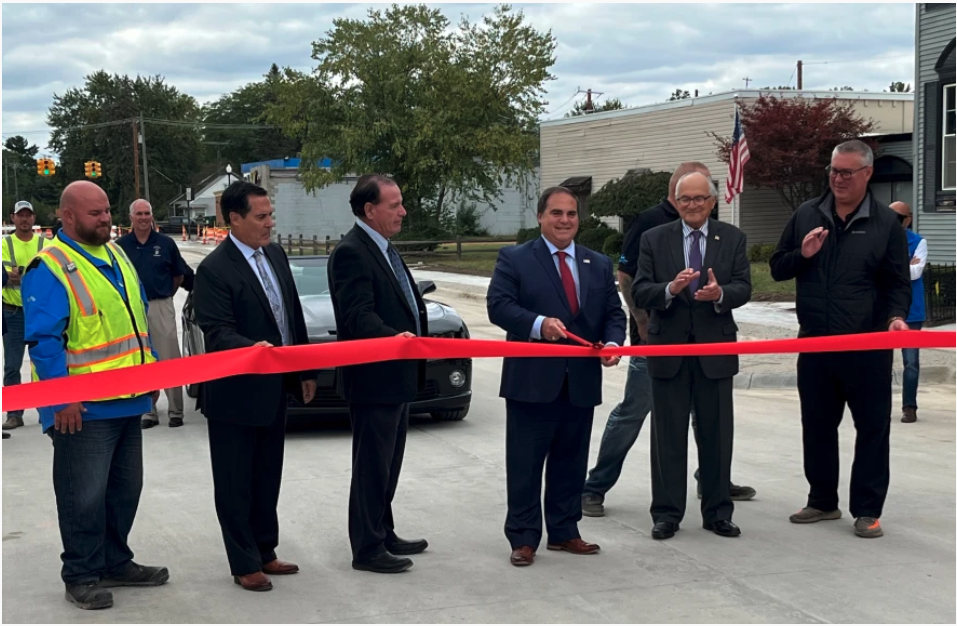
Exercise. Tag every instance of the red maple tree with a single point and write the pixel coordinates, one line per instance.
(790, 141)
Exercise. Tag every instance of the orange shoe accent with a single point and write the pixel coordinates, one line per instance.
(876, 524)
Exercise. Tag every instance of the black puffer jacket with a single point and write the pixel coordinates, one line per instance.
(860, 278)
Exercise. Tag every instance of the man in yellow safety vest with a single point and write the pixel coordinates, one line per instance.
(85, 311)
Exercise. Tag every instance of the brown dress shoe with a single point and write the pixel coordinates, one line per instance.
(575, 546)
(279, 568)
(256, 581)
(522, 556)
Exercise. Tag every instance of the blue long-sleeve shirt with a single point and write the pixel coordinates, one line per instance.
(46, 309)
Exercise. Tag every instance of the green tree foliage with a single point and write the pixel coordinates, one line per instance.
(629, 195)
(899, 87)
(614, 104)
(679, 94)
(791, 140)
(21, 182)
(247, 105)
(173, 147)
(445, 111)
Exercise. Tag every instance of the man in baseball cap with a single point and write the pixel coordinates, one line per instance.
(19, 248)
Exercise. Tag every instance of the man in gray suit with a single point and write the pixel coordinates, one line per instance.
(691, 274)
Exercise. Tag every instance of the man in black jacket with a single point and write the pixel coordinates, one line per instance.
(848, 254)
(373, 296)
(245, 296)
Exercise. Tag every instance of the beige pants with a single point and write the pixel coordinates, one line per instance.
(162, 320)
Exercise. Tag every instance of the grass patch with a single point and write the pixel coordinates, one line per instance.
(764, 288)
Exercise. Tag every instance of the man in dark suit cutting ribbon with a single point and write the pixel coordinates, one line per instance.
(540, 289)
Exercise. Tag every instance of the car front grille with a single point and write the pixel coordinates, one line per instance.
(329, 397)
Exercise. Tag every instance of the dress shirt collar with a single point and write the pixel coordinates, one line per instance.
(246, 250)
(686, 230)
(377, 237)
(552, 248)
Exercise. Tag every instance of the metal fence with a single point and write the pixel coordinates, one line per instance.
(939, 292)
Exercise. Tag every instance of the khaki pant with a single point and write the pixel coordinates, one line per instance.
(162, 320)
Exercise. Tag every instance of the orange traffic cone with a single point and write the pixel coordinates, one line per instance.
(185, 236)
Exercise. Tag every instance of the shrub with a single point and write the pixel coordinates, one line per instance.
(761, 252)
(527, 234)
(468, 222)
(594, 238)
(612, 245)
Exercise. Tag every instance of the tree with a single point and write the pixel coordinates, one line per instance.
(113, 102)
(679, 95)
(899, 87)
(629, 195)
(247, 106)
(614, 104)
(21, 182)
(784, 88)
(790, 141)
(445, 111)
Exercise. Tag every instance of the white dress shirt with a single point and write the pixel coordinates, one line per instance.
(248, 253)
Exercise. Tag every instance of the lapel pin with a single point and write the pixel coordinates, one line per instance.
(716, 238)
(586, 260)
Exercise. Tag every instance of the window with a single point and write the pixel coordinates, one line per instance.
(949, 174)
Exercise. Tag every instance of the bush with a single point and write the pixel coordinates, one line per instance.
(594, 238)
(527, 234)
(612, 245)
(468, 222)
(761, 252)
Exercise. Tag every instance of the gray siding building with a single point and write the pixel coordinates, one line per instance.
(934, 150)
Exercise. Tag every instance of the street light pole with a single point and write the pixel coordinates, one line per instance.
(229, 174)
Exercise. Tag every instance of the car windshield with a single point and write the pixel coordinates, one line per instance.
(310, 276)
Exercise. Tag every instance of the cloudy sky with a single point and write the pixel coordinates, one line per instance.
(639, 53)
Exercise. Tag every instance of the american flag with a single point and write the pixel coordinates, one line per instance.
(739, 156)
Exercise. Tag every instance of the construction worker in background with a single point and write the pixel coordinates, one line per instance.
(86, 311)
(19, 248)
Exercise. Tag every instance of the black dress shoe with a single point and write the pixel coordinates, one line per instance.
(406, 547)
(664, 530)
(385, 563)
(723, 527)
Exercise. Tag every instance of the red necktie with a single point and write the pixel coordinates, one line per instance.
(568, 282)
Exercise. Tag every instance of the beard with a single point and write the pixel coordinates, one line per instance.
(93, 236)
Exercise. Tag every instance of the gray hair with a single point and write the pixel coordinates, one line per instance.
(138, 200)
(856, 146)
(712, 190)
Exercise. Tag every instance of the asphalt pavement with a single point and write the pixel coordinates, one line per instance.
(452, 492)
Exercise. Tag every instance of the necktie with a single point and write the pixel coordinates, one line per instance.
(275, 303)
(694, 258)
(396, 262)
(568, 282)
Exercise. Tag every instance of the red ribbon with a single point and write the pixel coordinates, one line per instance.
(198, 369)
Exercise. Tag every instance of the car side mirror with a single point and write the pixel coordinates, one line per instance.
(426, 287)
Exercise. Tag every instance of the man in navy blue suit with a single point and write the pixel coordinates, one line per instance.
(540, 289)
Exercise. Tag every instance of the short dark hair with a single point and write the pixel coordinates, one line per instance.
(551, 191)
(368, 189)
(235, 198)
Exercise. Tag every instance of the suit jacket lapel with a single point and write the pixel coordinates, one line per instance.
(242, 265)
(545, 258)
(584, 276)
(384, 265)
(280, 273)
(677, 245)
(711, 249)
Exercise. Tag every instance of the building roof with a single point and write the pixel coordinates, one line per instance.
(732, 95)
(282, 164)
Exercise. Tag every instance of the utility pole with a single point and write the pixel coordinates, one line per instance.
(146, 171)
(589, 105)
(747, 81)
(800, 73)
(136, 161)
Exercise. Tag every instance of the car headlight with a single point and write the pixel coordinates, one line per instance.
(457, 378)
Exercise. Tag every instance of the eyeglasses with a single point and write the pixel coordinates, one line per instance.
(844, 174)
(902, 218)
(694, 200)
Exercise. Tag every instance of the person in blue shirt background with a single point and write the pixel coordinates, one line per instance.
(917, 249)
(98, 446)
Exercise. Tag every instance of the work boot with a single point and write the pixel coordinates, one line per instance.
(12, 422)
(910, 415)
(809, 515)
(136, 575)
(149, 423)
(868, 527)
(175, 422)
(89, 596)
(593, 505)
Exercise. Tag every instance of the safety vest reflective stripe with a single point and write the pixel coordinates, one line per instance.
(81, 293)
(112, 350)
(13, 255)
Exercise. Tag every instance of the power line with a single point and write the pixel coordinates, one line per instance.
(197, 124)
(788, 84)
(558, 108)
(890, 56)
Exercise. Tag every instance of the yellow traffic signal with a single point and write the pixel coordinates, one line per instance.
(95, 169)
(88, 169)
(51, 167)
(41, 167)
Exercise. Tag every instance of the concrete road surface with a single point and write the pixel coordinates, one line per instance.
(452, 492)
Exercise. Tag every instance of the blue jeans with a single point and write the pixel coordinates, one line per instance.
(97, 478)
(911, 370)
(622, 429)
(13, 348)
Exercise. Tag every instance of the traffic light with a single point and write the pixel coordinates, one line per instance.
(96, 171)
(88, 169)
(46, 167)
(51, 166)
